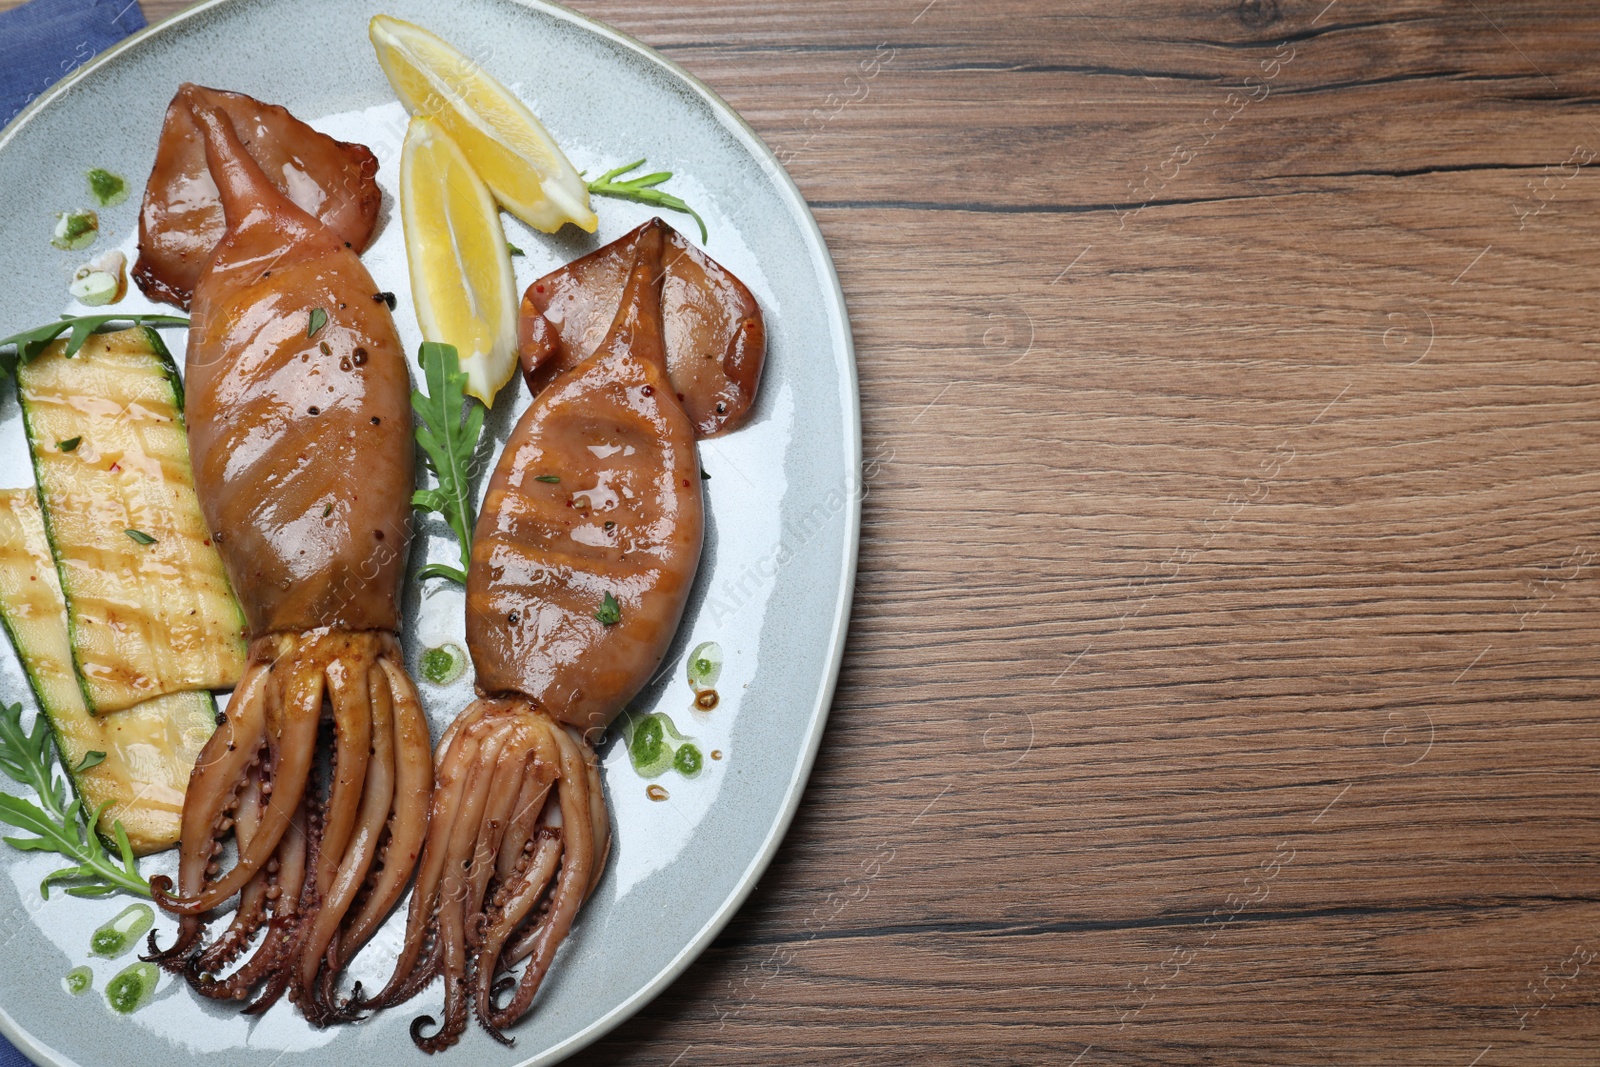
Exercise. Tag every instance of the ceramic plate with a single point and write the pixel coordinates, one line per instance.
(774, 585)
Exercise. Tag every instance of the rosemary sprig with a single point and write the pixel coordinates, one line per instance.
(643, 189)
(30, 343)
(30, 759)
(449, 438)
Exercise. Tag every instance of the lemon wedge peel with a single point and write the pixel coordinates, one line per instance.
(505, 142)
(462, 281)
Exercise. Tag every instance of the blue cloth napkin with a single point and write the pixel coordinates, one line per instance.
(44, 41)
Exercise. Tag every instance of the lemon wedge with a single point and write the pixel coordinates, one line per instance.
(504, 141)
(461, 277)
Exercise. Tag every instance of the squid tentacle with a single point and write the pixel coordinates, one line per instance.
(299, 908)
(213, 787)
(253, 902)
(455, 764)
(376, 801)
(451, 914)
(572, 885)
(513, 904)
(290, 874)
(292, 745)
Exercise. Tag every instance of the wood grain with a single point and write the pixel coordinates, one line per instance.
(1222, 685)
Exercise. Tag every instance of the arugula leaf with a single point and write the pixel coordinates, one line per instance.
(643, 189)
(61, 827)
(30, 343)
(90, 759)
(449, 438)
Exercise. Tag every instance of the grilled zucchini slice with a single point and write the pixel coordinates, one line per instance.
(149, 748)
(149, 610)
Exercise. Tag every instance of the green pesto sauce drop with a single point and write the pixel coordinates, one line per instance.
(705, 665)
(688, 761)
(655, 745)
(110, 189)
(79, 979)
(131, 988)
(648, 746)
(122, 933)
(444, 664)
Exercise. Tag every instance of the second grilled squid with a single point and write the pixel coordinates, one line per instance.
(597, 497)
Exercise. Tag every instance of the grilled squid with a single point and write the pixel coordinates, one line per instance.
(300, 433)
(582, 561)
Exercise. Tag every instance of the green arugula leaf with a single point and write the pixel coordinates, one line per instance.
(30, 343)
(443, 570)
(449, 438)
(643, 190)
(60, 826)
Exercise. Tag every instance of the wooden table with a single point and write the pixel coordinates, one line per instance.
(1222, 685)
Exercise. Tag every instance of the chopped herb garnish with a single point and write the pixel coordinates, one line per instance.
(128, 991)
(70, 444)
(140, 536)
(648, 747)
(705, 665)
(704, 477)
(327, 509)
(688, 760)
(30, 343)
(387, 298)
(319, 319)
(654, 745)
(75, 230)
(643, 189)
(61, 827)
(444, 664)
(449, 437)
(610, 612)
(551, 478)
(119, 935)
(514, 250)
(110, 189)
(94, 288)
(90, 759)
